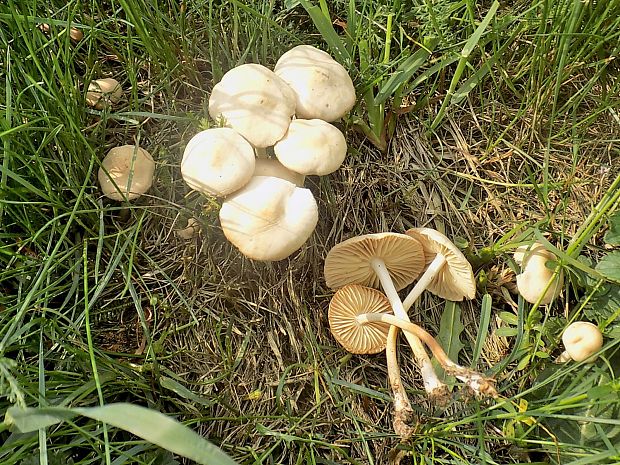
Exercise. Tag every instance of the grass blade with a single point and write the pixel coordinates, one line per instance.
(148, 424)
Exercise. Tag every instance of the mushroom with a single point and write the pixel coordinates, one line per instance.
(311, 147)
(269, 218)
(348, 302)
(126, 172)
(272, 167)
(581, 340)
(217, 161)
(351, 321)
(448, 274)
(394, 261)
(254, 102)
(103, 93)
(322, 86)
(535, 282)
(189, 231)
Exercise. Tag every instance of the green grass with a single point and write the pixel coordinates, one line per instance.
(493, 123)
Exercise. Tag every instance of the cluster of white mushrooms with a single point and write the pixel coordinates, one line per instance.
(266, 212)
(360, 317)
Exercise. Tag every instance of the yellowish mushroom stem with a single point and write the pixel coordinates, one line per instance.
(403, 413)
(435, 388)
(478, 383)
(433, 270)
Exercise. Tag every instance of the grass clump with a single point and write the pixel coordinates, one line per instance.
(101, 303)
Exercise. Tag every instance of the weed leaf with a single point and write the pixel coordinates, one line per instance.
(145, 423)
(609, 266)
(612, 236)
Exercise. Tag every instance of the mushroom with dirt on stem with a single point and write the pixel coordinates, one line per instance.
(392, 261)
(126, 172)
(581, 340)
(346, 303)
(351, 326)
(537, 283)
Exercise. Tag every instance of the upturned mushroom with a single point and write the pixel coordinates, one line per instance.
(448, 274)
(322, 86)
(126, 172)
(254, 102)
(393, 261)
(217, 161)
(311, 147)
(350, 322)
(345, 305)
(537, 283)
(103, 93)
(269, 218)
(581, 340)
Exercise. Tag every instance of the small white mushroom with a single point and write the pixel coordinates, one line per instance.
(217, 161)
(103, 93)
(581, 340)
(254, 102)
(311, 147)
(269, 219)
(323, 87)
(126, 172)
(536, 277)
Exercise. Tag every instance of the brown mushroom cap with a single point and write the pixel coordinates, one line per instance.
(349, 261)
(126, 171)
(455, 281)
(350, 301)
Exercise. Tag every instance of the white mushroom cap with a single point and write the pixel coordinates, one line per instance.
(581, 340)
(217, 161)
(126, 172)
(103, 92)
(323, 87)
(272, 167)
(535, 277)
(269, 219)
(311, 147)
(254, 102)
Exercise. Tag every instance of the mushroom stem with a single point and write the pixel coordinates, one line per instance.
(563, 357)
(433, 270)
(478, 383)
(403, 413)
(432, 384)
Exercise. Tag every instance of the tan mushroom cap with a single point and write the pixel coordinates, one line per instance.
(103, 93)
(272, 167)
(269, 218)
(254, 102)
(581, 340)
(349, 261)
(217, 161)
(323, 87)
(126, 172)
(455, 281)
(350, 301)
(311, 146)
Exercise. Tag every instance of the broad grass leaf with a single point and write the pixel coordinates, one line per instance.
(449, 337)
(150, 425)
(609, 266)
(483, 327)
(612, 236)
(324, 25)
